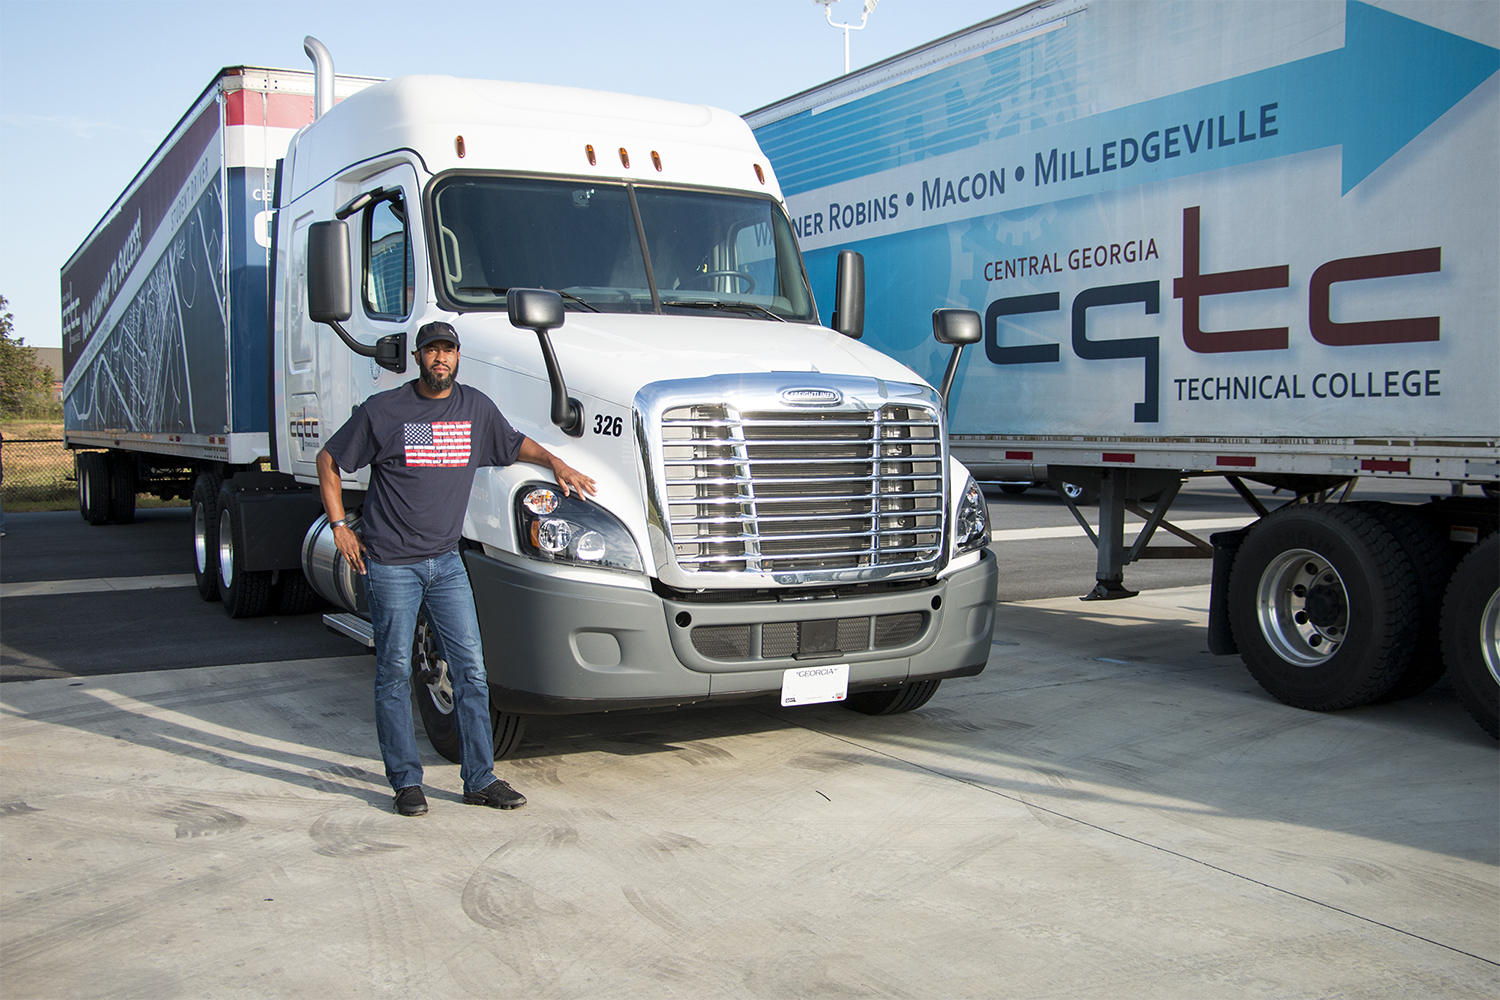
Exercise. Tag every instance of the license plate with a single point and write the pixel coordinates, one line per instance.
(812, 685)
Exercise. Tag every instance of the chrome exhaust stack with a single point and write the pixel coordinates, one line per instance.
(322, 61)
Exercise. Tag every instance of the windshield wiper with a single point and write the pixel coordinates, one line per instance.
(497, 290)
(722, 306)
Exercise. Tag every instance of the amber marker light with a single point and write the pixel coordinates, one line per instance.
(589, 152)
(760, 174)
(656, 160)
(624, 158)
(458, 146)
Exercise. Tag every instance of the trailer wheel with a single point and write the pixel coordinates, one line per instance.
(1432, 563)
(432, 692)
(1322, 601)
(122, 484)
(906, 698)
(245, 594)
(205, 534)
(1471, 614)
(92, 470)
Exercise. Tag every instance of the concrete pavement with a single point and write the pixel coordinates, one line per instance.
(1107, 811)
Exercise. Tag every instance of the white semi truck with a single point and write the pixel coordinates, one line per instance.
(1241, 239)
(777, 510)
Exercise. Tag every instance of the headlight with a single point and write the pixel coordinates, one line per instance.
(971, 527)
(569, 529)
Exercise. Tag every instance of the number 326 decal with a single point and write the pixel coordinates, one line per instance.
(607, 425)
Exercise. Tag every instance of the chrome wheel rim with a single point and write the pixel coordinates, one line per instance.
(1303, 607)
(200, 538)
(1489, 644)
(226, 551)
(424, 652)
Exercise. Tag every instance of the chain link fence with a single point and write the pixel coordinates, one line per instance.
(38, 475)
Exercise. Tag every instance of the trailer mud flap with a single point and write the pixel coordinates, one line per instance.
(1220, 635)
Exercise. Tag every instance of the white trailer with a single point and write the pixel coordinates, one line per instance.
(1256, 240)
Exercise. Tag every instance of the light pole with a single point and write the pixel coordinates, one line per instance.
(864, 16)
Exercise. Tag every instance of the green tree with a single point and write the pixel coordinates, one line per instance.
(25, 385)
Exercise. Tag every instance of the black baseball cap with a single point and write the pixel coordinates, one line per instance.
(437, 330)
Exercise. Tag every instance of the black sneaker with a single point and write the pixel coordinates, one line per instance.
(497, 795)
(411, 802)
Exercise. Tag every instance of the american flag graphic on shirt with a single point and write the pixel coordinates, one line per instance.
(443, 443)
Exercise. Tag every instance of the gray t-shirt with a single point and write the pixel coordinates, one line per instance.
(422, 455)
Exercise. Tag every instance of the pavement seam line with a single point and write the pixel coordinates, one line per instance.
(1136, 840)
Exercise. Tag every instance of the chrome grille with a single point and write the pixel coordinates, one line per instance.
(784, 491)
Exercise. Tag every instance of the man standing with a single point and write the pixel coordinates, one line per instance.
(423, 442)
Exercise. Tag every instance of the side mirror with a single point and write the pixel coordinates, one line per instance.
(849, 295)
(959, 328)
(330, 298)
(540, 310)
(330, 295)
(534, 308)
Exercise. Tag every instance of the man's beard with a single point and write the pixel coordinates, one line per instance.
(436, 383)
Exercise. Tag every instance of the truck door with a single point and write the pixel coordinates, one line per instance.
(388, 291)
(324, 379)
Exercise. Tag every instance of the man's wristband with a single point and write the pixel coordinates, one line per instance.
(342, 522)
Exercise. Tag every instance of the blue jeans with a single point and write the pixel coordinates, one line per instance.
(439, 587)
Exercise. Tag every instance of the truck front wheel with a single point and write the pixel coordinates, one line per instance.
(1471, 616)
(907, 698)
(1323, 603)
(432, 692)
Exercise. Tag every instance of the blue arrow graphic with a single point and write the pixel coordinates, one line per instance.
(1392, 79)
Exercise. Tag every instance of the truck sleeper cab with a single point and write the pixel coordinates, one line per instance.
(773, 496)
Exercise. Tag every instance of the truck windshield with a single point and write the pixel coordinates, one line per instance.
(732, 254)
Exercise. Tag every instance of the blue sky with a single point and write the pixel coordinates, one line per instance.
(88, 90)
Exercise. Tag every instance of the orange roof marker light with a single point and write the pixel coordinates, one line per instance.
(656, 160)
(760, 174)
(589, 152)
(624, 158)
(458, 146)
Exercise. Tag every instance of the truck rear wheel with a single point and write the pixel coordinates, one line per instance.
(432, 692)
(1471, 614)
(205, 534)
(122, 478)
(907, 698)
(1322, 600)
(92, 470)
(246, 594)
(293, 594)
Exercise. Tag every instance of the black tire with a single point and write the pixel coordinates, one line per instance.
(906, 698)
(433, 695)
(1432, 562)
(1491, 490)
(205, 534)
(1470, 613)
(122, 484)
(92, 470)
(1322, 602)
(293, 594)
(1013, 489)
(245, 594)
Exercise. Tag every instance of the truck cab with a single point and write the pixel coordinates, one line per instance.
(773, 496)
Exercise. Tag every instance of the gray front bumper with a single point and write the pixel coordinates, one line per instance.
(555, 646)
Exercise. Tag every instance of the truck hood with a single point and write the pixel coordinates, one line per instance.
(610, 355)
